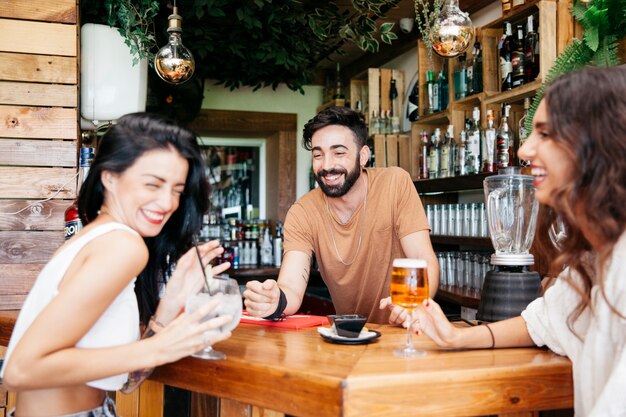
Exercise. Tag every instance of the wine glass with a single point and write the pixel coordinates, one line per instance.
(226, 290)
(409, 287)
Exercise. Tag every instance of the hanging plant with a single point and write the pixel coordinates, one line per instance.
(604, 24)
(258, 43)
(426, 15)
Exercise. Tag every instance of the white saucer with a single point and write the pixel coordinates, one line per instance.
(329, 334)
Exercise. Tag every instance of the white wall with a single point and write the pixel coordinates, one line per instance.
(281, 100)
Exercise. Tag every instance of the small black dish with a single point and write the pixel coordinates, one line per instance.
(348, 325)
(329, 336)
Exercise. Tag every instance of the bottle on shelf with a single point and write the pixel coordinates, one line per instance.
(433, 99)
(424, 152)
(413, 100)
(454, 149)
(523, 134)
(278, 245)
(477, 72)
(374, 127)
(460, 78)
(460, 155)
(518, 57)
(531, 51)
(393, 95)
(442, 88)
(489, 145)
(73, 224)
(434, 156)
(469, 74)
(445, 155)
(472, 149)
(506, 47)
(339, 97)
(504, 140)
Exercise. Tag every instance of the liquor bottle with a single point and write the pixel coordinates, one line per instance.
(442, 86)
(73, 224)
(278, 245)
(460, 79)
(523, 134)
(424, 152)
(477, 76)
(374, 123)
(434, 156)
(266, 248)
(445, 156)
(517, 60)
(433, 100)
(454, 150)
(489, 145)
(393, 95)
(531, 51)
(412, 108)
(507, 46)
(339, 97)
(504, 140)
(472, 150)
(460, 155)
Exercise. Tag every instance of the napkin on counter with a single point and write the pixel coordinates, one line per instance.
(297, 321)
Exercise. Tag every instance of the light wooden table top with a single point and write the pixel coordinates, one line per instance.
(297, 372)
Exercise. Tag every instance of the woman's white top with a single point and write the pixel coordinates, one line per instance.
(599, 359)
(118, 325)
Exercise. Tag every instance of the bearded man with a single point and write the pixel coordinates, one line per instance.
(356, 223)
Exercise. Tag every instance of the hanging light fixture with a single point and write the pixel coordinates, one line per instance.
(174, 63)
(452, 31)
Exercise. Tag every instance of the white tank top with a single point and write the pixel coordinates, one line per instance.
(118, 325)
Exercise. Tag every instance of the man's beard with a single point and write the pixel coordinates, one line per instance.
(338, 190)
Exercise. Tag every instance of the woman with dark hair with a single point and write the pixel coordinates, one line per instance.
(578, 154)
(77, 333)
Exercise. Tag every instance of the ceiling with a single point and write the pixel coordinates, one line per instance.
(354, 61)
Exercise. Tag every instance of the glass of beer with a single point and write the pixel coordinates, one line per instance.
(409, 287)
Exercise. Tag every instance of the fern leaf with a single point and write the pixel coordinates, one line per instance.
(607, 53)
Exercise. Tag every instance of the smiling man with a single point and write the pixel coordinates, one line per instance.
(355, 223)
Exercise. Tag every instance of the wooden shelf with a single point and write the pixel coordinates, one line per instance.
(441, 117)
(465, 298)
(517, 15)
(477, 242)
(515, 95)
(461, 183)
(469, 102)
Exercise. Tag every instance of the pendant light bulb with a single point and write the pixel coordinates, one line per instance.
(174, 63)
(452, 32)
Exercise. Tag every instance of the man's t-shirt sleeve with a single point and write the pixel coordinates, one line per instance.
(297, 230)
(410, 215)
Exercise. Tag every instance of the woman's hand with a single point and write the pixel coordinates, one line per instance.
(398, 315)
(430, 320)
(188, 279)
(188, 334)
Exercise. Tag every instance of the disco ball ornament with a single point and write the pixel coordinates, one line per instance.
(452, 32)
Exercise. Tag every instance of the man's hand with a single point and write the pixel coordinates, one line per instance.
(261, 298)
(398, 315)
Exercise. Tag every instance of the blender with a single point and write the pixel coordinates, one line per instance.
(511, 214)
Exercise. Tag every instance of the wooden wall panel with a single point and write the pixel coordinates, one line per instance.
(28, 247)
(38, 122)
(29, 182)
(60, 11)
(38, 37)
(38, 68)
(33, 214)
(39, 132)
(32, 94)
(25, 152)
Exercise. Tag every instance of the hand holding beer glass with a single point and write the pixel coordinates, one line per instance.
(409, 287)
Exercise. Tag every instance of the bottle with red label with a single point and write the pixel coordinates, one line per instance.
(72, 219)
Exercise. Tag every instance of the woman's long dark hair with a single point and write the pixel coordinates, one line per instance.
(119, 148)
(587, 117)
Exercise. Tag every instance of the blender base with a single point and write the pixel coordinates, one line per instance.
(506, 294)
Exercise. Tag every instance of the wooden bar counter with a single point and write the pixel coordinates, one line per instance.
(298, 373)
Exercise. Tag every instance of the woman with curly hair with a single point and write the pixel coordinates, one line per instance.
(578, 154)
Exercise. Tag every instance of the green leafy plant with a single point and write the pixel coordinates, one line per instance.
(426, 14)
(604, 24)
(256, 43)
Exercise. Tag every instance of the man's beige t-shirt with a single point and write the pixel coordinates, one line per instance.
(392, 211)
